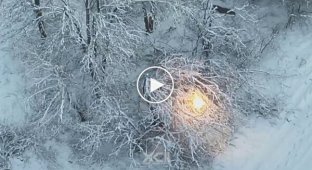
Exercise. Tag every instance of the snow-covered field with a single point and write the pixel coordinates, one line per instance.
(284, 143)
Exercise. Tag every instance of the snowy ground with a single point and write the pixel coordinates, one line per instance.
(11, 89)
(283, 144)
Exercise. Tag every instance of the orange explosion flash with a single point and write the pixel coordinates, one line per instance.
(198, 102)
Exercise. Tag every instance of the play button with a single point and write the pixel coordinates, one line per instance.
(155, 84)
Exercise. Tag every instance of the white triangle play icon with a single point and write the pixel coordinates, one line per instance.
(154, 85)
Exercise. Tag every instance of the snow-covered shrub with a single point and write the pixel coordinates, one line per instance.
(190, 134)
(13, 143)
(110, 133)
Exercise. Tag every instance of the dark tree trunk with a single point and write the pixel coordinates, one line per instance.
(88, 25)
(145, 19)
(149, 23)
(98, 9)
(87, 5)
(38, 12)
(148, 20)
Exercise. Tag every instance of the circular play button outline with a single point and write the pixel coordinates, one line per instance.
(138, 84)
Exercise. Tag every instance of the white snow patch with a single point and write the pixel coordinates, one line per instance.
(12, 85)
(286, 145)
